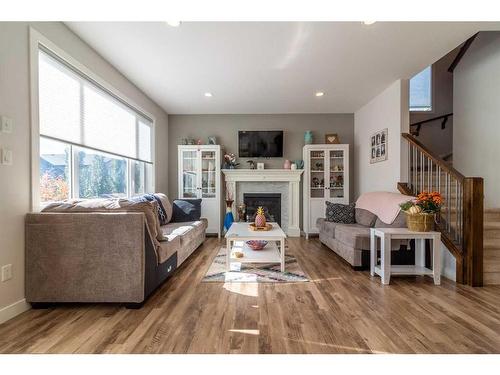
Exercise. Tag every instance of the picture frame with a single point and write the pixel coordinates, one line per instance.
(332, 139)
(379, 146)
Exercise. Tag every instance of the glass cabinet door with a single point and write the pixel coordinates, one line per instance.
(317, 174)
(336, 174)
(208, 174)
(189, 174)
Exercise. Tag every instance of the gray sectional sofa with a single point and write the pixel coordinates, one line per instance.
(352, 241)
(106, 254)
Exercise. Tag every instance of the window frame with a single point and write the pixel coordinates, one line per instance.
(36, 42)
(419, 111)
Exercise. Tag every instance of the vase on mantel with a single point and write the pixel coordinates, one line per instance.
(287, 164)
(229, 219)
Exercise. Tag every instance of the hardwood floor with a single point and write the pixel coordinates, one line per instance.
(339, 311)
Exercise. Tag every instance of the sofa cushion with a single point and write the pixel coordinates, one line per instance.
(185, 210)
(340, 213)
(365, 217)
(168, 248)
(186, 231)
(167, 206)
(326, 227)
(356, 236)
(399, 222)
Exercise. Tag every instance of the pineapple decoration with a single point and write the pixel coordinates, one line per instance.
(260, 218)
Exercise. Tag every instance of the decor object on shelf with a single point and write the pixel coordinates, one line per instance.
(251, 164)
(256, 244)
(191, 141)
(238, 254)
(260, 165)
(332, 139)
(241, 212)
(212, 140)
(184, 141)
(229, 219)
(199, 142)
(299, 163)
(253, 227)
(293, 166)
(287, 164)
(378, 146)
(230, 161)
(308, 137)
(260, 218)
(421, 212)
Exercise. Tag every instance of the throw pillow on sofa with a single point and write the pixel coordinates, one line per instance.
(340, 213)
(365, 217)
(186, 210)
(163, 217)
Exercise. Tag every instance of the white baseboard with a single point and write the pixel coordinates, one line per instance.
(8, 312)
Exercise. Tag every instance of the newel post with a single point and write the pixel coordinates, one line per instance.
(473, 217)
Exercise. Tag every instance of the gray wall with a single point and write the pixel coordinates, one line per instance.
(476, 132)
(15, 189)
(225, 128)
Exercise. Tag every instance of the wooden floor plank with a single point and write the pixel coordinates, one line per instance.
(339, 311)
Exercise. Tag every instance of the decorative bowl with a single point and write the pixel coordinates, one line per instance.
(256, 244)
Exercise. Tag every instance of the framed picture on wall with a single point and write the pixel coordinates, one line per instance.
(378, 146)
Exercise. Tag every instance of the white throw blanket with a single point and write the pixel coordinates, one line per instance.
(383, 204)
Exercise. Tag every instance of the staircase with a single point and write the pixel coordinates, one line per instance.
(461, 218)
(491, 260)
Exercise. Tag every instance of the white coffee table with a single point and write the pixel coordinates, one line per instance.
(239, 233)
(385, 270)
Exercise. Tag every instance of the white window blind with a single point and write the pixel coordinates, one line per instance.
(75, 109)
(421, 91)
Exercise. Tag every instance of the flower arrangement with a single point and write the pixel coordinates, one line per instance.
(230, 161)
(421, 212)
(426, 202)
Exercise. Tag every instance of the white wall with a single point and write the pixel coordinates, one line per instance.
(387, 110)
(476, 103)
(15, 183)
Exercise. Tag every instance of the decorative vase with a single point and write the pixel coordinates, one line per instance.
(308, 137)
(260, 218)
(287, 164)
(420, 222)
(229, 219)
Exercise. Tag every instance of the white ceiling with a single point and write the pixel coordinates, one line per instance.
(270, 67)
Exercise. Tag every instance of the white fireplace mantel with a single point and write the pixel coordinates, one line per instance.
(232, 176)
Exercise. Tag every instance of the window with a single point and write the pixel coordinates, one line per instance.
(421, 91)
(92, 144)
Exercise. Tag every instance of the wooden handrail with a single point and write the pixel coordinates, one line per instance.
(443, 164)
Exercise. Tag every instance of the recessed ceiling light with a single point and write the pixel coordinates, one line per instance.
(174, 23)
(369, 22)
(208, 94)
(319, 93)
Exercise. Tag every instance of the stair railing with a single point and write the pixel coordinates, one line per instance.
(461, 217)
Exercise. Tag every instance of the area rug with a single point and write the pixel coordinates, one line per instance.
(254, 273)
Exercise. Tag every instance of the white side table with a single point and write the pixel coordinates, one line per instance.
(385, 270)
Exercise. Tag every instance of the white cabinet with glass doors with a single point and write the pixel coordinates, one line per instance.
(200, 177)
(326, 178)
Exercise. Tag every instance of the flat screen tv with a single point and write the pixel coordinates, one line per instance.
(260, 144)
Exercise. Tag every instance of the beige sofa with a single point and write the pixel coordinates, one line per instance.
(352, 241)
(104, 256)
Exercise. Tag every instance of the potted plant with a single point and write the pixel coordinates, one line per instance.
(421, 212)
